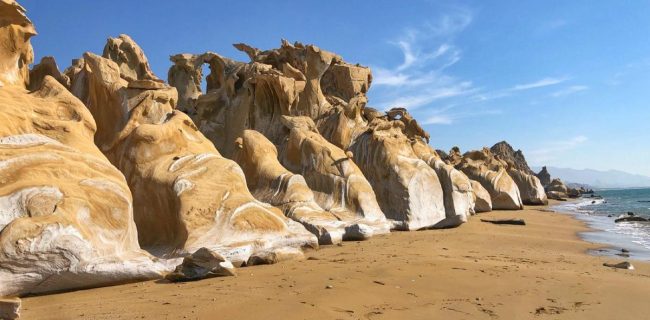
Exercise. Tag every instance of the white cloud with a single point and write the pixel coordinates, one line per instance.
(555, 149)
(421, 77)
(569, 90)
(538, 84)
(440, 119)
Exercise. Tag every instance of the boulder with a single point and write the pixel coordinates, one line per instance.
(482, 200)
(186, 194)
(555, 195)
(621, 265)
(67, 219)
(9, 308)
(201, 264)
(491, 173)
(631, 219)
(558, 187)
(531, 189)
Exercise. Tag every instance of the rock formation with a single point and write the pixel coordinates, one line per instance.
(311, 106)
(544, 177)
(482, 200)
(505, 152)
(186, 195)
(491, 173)
(557, 190)
(66, 220)
(270, 182)
(531, 189)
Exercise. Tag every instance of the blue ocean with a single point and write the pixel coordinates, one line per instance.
(601, 213)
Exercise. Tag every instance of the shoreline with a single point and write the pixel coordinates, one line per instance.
(610, 242)
(476, 271)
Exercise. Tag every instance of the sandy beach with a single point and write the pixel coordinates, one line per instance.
(476, 271)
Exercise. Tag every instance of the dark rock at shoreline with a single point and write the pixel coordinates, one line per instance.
(631, 219)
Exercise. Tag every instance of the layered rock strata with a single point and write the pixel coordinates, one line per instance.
(186, 195)
(66, 213)
(491, 173)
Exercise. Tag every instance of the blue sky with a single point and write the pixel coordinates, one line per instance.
(568, 82)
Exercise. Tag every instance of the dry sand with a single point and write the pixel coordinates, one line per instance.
(476, 271)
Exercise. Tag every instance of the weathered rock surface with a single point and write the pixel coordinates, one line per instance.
(311, 105)
(507, 153)
(47, 67)
(270, 182)
(9, 308)
(482, 200)
(491, 172)
(202, 264)
(459, 198)
(186, 195)
(531, 189)
(558, 187)
(544, 176)
(66, 218)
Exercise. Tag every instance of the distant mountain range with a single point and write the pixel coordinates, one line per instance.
(598, 179)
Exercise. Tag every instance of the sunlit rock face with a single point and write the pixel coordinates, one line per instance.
(459, 198)
(271, 182)
(299, 80)
(66, 217)
(530, 187)
(278, 96)
(491, 173)
(186, 195)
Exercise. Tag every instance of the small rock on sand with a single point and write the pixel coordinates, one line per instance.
(620, 265)
(9, 308)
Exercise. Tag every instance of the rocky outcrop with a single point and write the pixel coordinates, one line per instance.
(530, 188)
(311, 106)
(47, 67)
(459, 198)
(544, 177)
(557, 185)
(186, 195)
(482, 200)
(66, 220)
(270, 182)
(491, 173)
(505, 152)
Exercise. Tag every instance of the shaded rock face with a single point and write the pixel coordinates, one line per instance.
(482, 200)
(558, 186)
(187, 195)
(505, 152)
(544, 177)
(491, 173)
(311, 106)
(66, 220)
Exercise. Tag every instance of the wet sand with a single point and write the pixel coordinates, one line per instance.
(476, 271)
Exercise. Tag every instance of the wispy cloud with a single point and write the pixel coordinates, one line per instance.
(422, 78)
(450, 118)
(538, 84)
(555, 149)
(569, 90)
(552, 25)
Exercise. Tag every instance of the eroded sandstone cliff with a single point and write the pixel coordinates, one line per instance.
(66, 217)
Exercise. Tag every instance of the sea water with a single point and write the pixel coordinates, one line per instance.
(601, 213)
